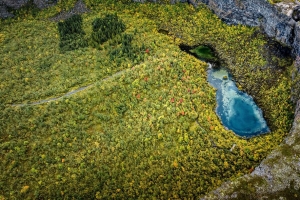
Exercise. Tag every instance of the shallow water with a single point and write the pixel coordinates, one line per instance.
(237, 110)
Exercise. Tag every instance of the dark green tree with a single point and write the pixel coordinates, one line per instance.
(71, 34)
(106, 28)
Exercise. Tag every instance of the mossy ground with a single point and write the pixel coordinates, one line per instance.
(152, 132)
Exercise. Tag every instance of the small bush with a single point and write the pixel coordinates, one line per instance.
(71, 34)
(106, 28)
(127, 50)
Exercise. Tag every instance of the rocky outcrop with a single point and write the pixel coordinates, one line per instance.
(258, 13)
(3, 11)
(41, 4)
(255, 13)
(17, 4)
(78, 8)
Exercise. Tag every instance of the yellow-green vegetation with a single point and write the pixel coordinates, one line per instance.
(278, 1)
(1, 37)
(150, 132)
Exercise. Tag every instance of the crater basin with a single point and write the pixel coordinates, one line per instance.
(236, 109)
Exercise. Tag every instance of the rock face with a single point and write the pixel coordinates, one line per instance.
(254, 13)
(257, 13)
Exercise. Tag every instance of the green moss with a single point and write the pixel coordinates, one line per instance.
(247, 192)
(246, 188)
(205, 53)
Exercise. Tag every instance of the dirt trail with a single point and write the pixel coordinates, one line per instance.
(71, 92)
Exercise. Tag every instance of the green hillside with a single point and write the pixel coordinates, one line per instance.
(145, 127)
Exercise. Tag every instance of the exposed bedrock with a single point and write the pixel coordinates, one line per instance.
(255, 13)
(271, 19)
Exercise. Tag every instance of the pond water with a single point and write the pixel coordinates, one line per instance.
(237, 110)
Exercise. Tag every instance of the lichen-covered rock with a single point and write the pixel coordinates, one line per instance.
(286, 7)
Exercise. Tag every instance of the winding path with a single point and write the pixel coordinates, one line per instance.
(71, 92)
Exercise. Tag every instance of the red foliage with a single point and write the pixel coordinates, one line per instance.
(251, 169)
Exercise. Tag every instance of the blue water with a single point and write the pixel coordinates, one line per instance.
(237, 110)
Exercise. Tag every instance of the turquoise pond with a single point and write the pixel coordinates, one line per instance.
(237, 110)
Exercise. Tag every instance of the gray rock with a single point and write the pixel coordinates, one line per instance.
(78, 8)
(3, 12)
(255, 13)
(42, 4)
(17, 4)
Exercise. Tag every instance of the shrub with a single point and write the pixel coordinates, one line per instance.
(71, 34)
(127, 50)
(106, 28)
